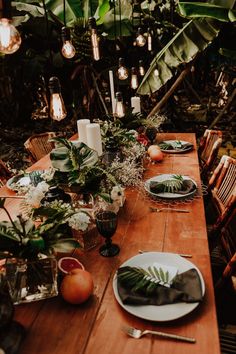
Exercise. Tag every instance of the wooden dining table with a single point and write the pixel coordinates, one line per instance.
(95, 327)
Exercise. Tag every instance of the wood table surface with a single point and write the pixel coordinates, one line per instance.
(56, 327)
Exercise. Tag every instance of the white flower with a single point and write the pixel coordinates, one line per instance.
(118, 195)
(79, 221)
(36, 194)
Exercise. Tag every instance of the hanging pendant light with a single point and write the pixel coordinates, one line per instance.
(119, 109)
(156, 72)
(140, 39)
(57, 107)
(141, 68)
(149, 39)
(94, 38)
(68, 50)
(134, 79)
(122, 71)
(10, 39)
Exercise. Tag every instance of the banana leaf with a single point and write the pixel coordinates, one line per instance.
(196, 9)
(194, 37)
(74, 9)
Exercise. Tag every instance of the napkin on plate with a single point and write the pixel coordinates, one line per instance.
(159, 187)
(186, 287)
(176, 146)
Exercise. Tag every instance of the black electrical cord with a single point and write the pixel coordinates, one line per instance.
(64, 12)
(47, 31)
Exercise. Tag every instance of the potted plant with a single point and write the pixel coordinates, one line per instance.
(28, 248)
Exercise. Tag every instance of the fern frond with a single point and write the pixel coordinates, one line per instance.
(143, 280)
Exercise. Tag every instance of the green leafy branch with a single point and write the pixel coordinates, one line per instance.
(143, 280)
(168, 186)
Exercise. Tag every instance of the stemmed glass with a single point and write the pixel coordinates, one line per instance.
(106, 222)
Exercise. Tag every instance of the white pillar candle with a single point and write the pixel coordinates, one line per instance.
(113, 100)
(94, 139)
(135, 104)
(82, 134)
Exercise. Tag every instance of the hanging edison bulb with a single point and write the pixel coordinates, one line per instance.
(94, 38)
(140, 39)
(57, 107)
(67, 50)
(119, 108)
(10, 39)
(149, 39)
(122, 71)
(134, 79)
(141, 68)
(156, 72)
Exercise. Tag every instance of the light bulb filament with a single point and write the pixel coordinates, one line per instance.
(68, 50)
(57, 107)
(10, 39)
(149, 41)
(140, 40)
(95, 45)
(134, 81)
(120, 112)
(122, 73)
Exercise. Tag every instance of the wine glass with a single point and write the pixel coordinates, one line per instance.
(106, 222)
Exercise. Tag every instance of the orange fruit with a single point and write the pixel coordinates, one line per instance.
(67, 264)
(77, 286)
(156, 155)
(153, 148)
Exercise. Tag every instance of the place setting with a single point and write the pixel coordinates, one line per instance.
(175, 146)
(170, 187)
(158, 286)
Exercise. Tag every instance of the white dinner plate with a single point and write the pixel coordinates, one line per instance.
(24, 179)
(163, 312)
(167, 195)
(176, 151)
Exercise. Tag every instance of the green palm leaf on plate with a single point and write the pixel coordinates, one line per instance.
(172, 185)
(143, 280)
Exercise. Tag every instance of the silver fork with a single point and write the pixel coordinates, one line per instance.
(168, 209)
(137, 333)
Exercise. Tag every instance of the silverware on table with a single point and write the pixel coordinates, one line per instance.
(168, 209)
(180, 254)
(137, 333)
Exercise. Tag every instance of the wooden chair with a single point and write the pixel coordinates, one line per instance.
(222, 191)
(5, 174)
(38, 145)
(223, 261)
(208, 150)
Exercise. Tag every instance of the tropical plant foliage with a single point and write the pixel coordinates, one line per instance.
(142, 280)
(21, 238)
(193, 38)
(172, 185)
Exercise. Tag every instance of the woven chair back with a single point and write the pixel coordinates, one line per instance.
(39, 145)
(208, 150)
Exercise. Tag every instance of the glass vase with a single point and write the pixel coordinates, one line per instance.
(89, 238)
(31, 280)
